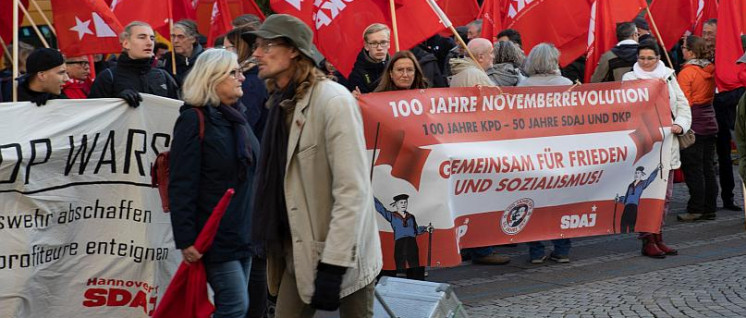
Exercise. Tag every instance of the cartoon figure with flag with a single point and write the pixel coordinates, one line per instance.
(631, 199)
(406, 230)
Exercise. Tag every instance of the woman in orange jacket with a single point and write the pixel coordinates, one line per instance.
(697, 80)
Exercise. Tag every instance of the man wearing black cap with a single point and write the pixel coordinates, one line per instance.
(406, 230)
(134, 73)
(643, 29)
(314, 205)
(45, 76)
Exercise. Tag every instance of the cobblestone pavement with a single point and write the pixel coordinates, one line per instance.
(608, 277)
(712, 289)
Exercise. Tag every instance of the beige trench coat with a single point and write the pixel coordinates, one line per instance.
(328, 194)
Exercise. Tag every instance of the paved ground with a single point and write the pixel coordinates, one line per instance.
(608, 277)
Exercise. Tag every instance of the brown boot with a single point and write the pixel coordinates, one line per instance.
(649, 248)
(662, 246)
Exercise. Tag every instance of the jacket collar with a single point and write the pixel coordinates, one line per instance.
(299, 120)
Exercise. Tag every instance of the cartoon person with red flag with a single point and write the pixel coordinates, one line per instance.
(406, 230)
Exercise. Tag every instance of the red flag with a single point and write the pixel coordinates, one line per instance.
(605, 14)
(460, 12)
(338, 26)
(491, 14)
(728, 49)
(673, 18)
(184, 9)
(708, 9)
(186, 295)
(558, 22)
(250, 7)
(6, 20)
(221, 21)
(86, 27)
(132, 10)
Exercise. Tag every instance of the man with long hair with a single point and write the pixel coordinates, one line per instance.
(314, 209)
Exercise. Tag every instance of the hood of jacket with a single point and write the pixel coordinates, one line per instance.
(459, 65)
(506, 71)
(627, 52)
(703, 67)
(367, 63)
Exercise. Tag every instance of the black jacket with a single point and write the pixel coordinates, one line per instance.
(183, 64)
(430, 69)
(138, 75)
(254, 97)
(200, 173)
(366, 73)
(25, 93)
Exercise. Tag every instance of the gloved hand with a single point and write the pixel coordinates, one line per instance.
(41, 99)
(328, 285)
(130, 96)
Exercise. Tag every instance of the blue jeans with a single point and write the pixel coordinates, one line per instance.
(561, 247)
(229, 280)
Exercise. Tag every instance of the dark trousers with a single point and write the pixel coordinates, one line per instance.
(257, 288)
(725, 111)
(697, 163)
(406, 253)
(629, 218)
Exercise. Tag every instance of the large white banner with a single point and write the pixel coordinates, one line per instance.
(83, 234)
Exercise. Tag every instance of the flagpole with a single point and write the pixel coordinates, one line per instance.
(171, 35)
(447, 22)
(16, 3)
(393, 24)
(6, 53)
(660, 38)
(33, 25)
(44, 16)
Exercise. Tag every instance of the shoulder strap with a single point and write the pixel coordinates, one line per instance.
(201, 117)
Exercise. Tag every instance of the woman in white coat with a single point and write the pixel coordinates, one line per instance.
(649, 66)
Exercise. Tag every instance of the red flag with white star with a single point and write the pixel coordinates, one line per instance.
(86, 27)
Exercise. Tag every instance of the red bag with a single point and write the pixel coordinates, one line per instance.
(159, 171)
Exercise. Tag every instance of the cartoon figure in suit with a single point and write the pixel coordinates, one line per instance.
(406, 230)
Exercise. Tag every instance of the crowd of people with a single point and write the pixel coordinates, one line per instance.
(265, 114)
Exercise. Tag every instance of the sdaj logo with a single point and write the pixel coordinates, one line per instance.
(516, 216)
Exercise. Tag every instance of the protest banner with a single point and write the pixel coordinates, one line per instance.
(84, 234)
(489, 166)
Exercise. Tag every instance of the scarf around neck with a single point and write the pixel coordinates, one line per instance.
(660, 71)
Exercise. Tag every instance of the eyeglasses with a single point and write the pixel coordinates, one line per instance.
(382, 44)
(236, 73)
(266, 46)
(647, 58)
(82, 63)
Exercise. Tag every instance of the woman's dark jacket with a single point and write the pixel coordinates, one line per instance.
(254, 97)
(200, 173)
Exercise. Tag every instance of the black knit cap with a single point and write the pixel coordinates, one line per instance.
(43, 59)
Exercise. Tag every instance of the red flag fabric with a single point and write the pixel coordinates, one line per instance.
(491, 14)
(6, 20)
(338, 26)
(708, 9)
(127, 11)
(605, 14)
(728, 49)
(558, 22)
(184, 9)
(220, 23)
(250, 7)
(673, 18)
(86, 27)
(186, 295)
(460, 12)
